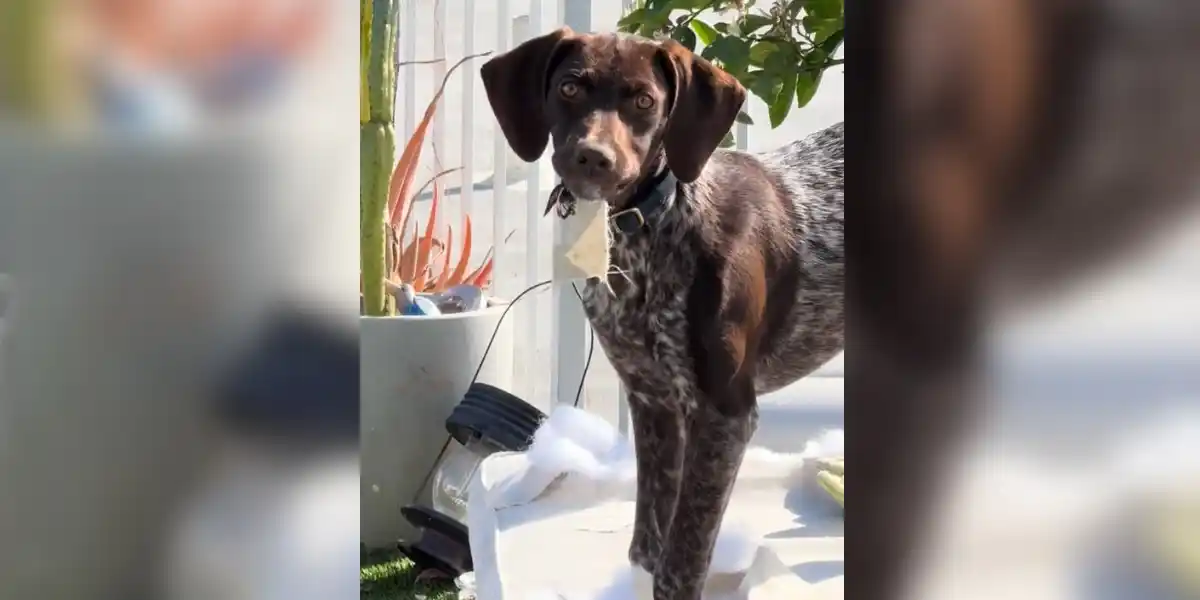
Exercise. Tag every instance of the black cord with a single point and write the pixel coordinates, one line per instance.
(496, 331)
(578, 394)
(591, 347)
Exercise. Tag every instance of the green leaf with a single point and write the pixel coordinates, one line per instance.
(753, 22)
(728, 141)
(705, 32)
(760, 52)
(825, 9)
(631, 22)
(815, 57)
(744, 118)
(645, 21)
(783, 58)
(733, 52)
(820, 29)
(766, 86)
(722, 27)
(654, 22)
(813, 24)
(806, 87)
(782, 104)
(834, 41)
(684, 36)
(692, 4)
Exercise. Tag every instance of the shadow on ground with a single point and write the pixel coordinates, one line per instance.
(816, 571)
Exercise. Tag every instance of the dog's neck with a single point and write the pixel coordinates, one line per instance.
(652, 174)
(651, 198)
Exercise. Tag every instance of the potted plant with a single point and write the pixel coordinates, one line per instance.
(416, 363)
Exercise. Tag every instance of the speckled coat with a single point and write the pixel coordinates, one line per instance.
(691, 434)
(734, 291)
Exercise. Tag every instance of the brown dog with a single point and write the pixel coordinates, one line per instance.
(731, 263)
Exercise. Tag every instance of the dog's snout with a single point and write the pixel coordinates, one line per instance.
(595, 159)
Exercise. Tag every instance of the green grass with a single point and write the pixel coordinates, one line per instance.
(390, 576)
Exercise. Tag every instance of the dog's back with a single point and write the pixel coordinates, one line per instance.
(812, 173)
(792, 199)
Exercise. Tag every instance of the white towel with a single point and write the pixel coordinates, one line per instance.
(577, 461)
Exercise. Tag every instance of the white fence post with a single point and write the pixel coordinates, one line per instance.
(525, 27)
(467, 189)
(438, 139)
(624, 418)
(569, 346)
(409, 20)
(500, 285)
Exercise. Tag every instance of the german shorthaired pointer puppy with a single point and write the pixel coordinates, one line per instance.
(731, 264)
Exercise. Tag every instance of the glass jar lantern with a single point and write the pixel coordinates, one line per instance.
(452, 480)
(486, 421)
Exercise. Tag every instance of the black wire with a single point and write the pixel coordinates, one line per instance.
(578, 394)
(501, 322)
(591, 347)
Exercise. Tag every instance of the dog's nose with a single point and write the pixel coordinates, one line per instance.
(594, 159)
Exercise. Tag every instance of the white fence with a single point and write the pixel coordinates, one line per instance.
(503, 195)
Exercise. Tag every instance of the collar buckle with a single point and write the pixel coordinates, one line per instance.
(628, 220)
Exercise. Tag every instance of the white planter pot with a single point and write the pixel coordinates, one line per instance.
(414, 370)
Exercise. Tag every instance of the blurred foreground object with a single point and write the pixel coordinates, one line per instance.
(1174, 534)
(1011, 149)
(36, 81)
(140, 263)
(279, 508)
(298, 383)
(151, 64)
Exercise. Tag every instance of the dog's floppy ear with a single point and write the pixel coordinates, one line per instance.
(705, 105)
(516, 88)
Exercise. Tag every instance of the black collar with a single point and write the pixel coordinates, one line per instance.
(649, 203)
(654, 198)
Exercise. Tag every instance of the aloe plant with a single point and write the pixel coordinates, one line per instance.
(390, 257)
(424, 260)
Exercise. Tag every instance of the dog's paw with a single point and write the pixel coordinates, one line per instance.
(644, 551)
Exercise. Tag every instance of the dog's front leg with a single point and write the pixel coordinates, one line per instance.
(658, 436)
(716, 443)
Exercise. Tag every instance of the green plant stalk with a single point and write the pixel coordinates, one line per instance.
(377, 147)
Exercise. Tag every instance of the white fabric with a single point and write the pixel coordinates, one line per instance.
(555, 522)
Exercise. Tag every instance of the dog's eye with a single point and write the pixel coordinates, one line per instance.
(569, 89)
(644, 101)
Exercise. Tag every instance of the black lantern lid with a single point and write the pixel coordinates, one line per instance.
(497, 418)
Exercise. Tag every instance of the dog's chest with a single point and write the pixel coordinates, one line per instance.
(641, 323)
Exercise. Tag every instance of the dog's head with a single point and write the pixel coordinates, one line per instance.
(613, 104)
